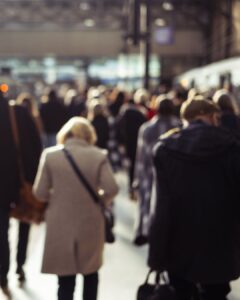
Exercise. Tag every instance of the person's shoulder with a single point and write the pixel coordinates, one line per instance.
(175, 121)
(148, 125)
(98, 152)
(52, 151)
(160, 145)
(172, 133)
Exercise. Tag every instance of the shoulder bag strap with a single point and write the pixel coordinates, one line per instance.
(16, 139)
(81, 178)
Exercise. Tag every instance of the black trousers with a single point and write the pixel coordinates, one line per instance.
(4, 246)
(23, 235)
(189, 291)
(66, 286)
(131, 171)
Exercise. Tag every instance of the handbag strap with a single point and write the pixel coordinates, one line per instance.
(81, 178)
(158, 277)
(15, 133)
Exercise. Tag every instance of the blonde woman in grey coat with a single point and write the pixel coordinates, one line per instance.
(75, 225)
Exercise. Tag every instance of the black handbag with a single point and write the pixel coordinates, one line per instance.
(107, 213)
(160, 290)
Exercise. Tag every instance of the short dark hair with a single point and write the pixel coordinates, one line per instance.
(196, 107)
(224, 100)
(165, 106)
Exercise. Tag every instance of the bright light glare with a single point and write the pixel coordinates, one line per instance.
(84, 6)
(4, 88)
(160, 22)
(89, 23)
(167, 6)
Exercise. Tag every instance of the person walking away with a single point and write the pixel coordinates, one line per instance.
(130, 119)
(27, 101)
(30, 147)
(143, 179)
(53, 115)
(195, 232)
(229, 110)
(97, 116)
(75, 235)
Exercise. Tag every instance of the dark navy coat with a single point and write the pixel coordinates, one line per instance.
(195, 233)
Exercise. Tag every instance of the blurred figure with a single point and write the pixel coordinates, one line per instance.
(142, 99)
(181, 95)
(97, 116)
(229, 109)
(75, 104)
(27, 101)
(192, 93)
(195, 233)
(53, 115)
(152, 107)
(117, 99)
(75, 225)
(148, 135)
(30, 147)
(129, 121)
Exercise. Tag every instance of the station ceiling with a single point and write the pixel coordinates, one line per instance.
(88, 14)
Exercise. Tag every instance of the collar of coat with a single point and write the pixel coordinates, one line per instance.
(76, 141)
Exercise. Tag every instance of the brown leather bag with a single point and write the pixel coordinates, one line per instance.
(28, 208)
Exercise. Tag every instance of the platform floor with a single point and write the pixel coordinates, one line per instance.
(124, 269)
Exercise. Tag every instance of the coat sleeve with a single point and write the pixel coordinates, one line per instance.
(30, 143)
(141, 156)
(43, 182)
(107, 182)
(160, 223)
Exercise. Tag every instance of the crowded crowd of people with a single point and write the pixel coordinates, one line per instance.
(180, 150)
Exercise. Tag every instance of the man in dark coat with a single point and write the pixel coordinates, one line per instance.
(30, 146)
(195, 232)
(53, 114)
(130, 119)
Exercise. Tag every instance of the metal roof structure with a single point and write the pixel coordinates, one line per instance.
(98, 14)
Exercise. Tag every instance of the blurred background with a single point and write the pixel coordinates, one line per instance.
(133, 43)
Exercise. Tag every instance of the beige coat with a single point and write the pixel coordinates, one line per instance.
(75, 226)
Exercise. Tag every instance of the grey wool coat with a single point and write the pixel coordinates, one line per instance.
(75, 225)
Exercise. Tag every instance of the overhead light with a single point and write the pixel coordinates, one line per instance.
(167, 6)
(49, 61)
(160, 22)
(84, 6)
(89, 23)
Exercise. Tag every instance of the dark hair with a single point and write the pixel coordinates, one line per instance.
(52, 95)
(224, 101)
(165, 106)
(182, 95)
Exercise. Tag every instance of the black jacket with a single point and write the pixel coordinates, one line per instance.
(30, 152)
(231, 121)
(128, 124)
(195, 233)
(100, 123)
(53, 115)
